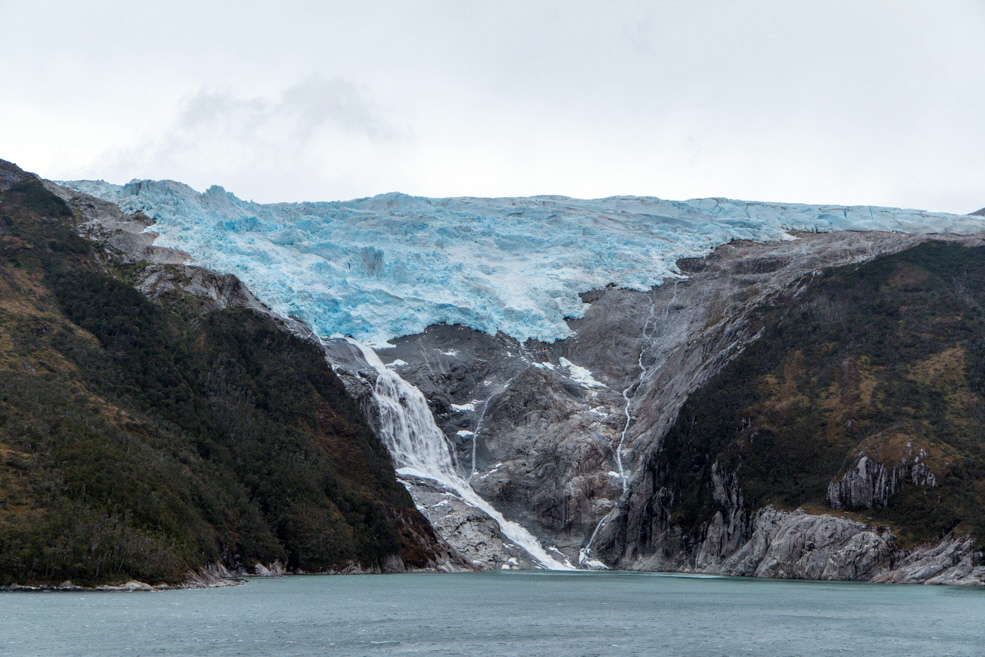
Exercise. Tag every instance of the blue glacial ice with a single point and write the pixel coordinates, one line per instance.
(391, 265)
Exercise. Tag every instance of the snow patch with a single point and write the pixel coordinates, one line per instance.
(493, 471)
(580, 374)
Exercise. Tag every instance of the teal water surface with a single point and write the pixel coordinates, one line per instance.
(518, 613)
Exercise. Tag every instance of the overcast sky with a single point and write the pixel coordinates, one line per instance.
(824, 102)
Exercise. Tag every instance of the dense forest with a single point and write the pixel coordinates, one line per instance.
(143, 440)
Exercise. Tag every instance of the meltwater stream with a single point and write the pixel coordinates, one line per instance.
(418, 448)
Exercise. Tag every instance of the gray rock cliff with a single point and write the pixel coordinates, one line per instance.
(563, 437)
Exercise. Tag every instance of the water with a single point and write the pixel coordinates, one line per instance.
(418, 449)
(519, 613)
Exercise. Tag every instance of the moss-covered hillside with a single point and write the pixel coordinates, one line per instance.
(884, 360)
(142, 441)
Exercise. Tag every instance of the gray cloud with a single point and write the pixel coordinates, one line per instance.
(301, 110)
(307, 130)
(839, 101)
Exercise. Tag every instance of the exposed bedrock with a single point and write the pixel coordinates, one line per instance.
(653, 528)
(565, 437)
(532, 432)
(869, 483)
(797, 545)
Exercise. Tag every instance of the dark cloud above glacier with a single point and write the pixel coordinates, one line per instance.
(844, 102)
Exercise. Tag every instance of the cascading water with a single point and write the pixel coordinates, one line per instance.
(418, 449)
(585, 554)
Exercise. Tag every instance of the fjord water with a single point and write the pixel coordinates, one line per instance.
(500, 613)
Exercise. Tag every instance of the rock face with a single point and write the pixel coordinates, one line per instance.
(802, 546)
(797, 545)
(567, 438)
(869, 483)
(106, 223)
(560, 436)
(534, 432)
(697, 503)
(952, 561)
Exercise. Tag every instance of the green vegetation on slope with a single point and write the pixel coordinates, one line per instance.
(137, 441)
(884, 359)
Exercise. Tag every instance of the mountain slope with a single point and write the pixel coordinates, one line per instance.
(863, 393)
(543, 439)
(144, 440)
(555, 364)
(577, 436)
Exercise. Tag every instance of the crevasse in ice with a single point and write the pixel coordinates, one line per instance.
(391, 265)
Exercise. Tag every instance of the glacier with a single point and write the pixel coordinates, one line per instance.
(388, 266)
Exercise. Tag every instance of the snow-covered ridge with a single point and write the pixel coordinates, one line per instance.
(391, 265)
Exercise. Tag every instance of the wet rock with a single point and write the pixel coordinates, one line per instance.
(803, 546)
(473, 534)
(275, 569)
(212, 576)
(949, 562)
(724, 535)
(532, 431)
(870, 483)
(798, 545)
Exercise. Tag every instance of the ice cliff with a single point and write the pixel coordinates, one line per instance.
(391, 265)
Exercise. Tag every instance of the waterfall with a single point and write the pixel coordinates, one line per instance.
(647, 340)
(418, 448)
